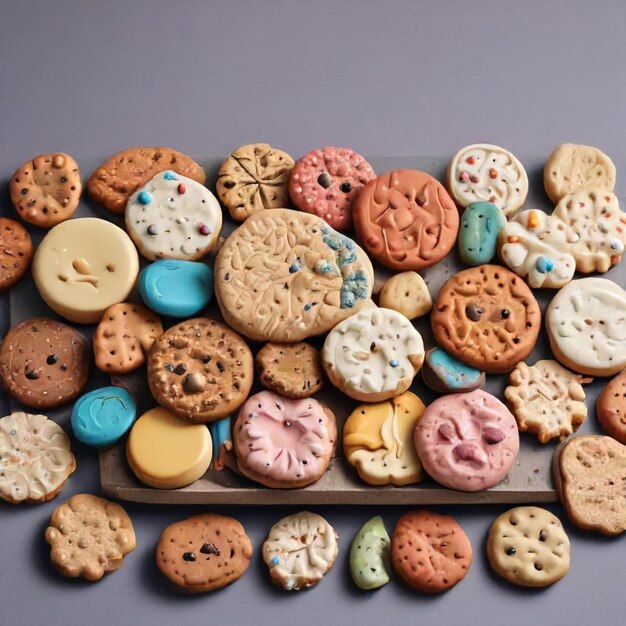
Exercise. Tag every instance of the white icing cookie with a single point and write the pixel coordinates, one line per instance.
(373, 355)
(173, 217)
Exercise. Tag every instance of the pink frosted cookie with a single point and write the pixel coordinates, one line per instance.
(325, 181)
(284, 443)
(467, 441)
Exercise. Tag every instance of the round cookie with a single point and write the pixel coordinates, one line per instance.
(285, 275)
(44, 363)
(487, 317)
(83, 266)
(204, 552)
(406, 293)
(611, 408)
(483, 172)
(16, 252)
(467, 441)
(586, 324)
(283, 443)
(373, 355)
(254, 178)
(290, 370)
(574, 167)
(528, 546)
(113, 182)
(430, 552)
(326, 181)
(406, 220)
(370, 560)
(481, 224)
(299, 550)
(35, 458)
(445, 374)
(200, 370)
(46, 190)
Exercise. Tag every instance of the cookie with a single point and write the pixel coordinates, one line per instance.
(445, 374)
(44, 363)
(467, 441)
(573, 167)
(370, 558)
(200, 370)
(166, 453)
(290, 370)
(589, 476)
(490, 174)
(284, 275)
(89, 536)
(528, 546)
(35, 458)
(46, 190)
(119, 177)
(204, 552)
(253, 178)
(222, 438)
(430, 552)
(487, 317)
(406, 293)
(16, 253)
(481, 224)
(538, 247)
(406, 220)
(546, 399)
(595, 217)
(299, 550)
(611, 408)
(83, 266)
(326, 181)
(586, 324)
(283, 443)
(373, 355)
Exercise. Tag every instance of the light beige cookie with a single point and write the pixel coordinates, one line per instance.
(406, 293)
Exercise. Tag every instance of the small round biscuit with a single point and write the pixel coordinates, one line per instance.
(406, 293)
(16, 252)
(611, 408)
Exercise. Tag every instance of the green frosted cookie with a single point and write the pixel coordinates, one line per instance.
(370, 563)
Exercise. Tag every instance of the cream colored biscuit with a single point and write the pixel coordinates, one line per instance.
(406, 293)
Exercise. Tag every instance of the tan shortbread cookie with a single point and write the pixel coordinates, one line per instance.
(16, 252)
(406, 293)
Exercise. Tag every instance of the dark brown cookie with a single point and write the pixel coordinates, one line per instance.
(16, 252)
(611, 408)
(44, 363)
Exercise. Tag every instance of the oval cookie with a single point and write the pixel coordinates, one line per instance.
(611, 408)
(481, 224)
(370, 559)
(406, 293)
(445, 374)
(16, 252)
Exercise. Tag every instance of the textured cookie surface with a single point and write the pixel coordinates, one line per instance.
(406, 293)
(445, 374)
(16, 252)
(481, 224)
(370, 558)
(611, 408)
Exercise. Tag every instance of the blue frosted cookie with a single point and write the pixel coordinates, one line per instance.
(481, 224)
(445, 374)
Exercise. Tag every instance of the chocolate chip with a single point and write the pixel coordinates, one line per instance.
(180, 369)
(64, 367)
(209, 548)
(63, 179)
(346, 187)
(220, 367)
(206, 359)
(193, 383)
(32, 374)
(474, 312)
(24, 191)
(52, 359)
(325, 180)
(543, 535)
(504, 314)
(510, 551)
(169, 367)
(153, 230)
(189, 556)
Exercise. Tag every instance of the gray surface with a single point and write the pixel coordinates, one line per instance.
(389, 78)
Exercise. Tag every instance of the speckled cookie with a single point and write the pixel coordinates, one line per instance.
(16, 252)
(611, 408)
(370, 560)
(407, 293)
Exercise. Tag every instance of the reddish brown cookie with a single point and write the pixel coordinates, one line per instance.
(430, 552)
(16, 252)
(611, 408)
(487, 317)
(406, 220)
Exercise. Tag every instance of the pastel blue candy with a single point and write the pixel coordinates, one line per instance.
(394, 362)
(481, 224)
(144, 197)
(170, 176)
(443, 373)
(176, 288)
(544, 264)
(220, 435)
(101, 417)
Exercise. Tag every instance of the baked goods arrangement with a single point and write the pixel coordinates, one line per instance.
(220, 318)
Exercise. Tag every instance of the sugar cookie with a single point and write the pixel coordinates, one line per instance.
(370, 559)
(481, 224)
(406, 293)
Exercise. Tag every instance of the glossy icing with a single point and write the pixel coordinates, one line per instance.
(481, 224)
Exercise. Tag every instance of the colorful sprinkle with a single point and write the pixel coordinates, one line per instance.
(533, 219)
(323, 266)
(170, 176)
(144, 197)
(275, 561)
(512, 239)
(293, 268)
(394, 362)
(182, 188)
(307, 307)
(470, 160)
(544, 264)
(493, 173)
(474, 179)
(464, 177)
(203, 229)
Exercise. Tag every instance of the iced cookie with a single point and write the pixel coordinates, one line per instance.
(222, 438)
(539, 248)
(431, 553)
(378, 441)
(285, 275)
(481, 224)
(325, 182)
(373, 355)
(586, 324)
(574, 167)
(35, 458)
(121, 175)
(89, 536)
(528, 546)
(546, 399)
(370, 559)
(445, 374)
(254, 178)
(488, 173)
(487, 317)
(406, 220)
(299, 550)
(83, 266)
(204, 552)
(200, 370)
(44, 363)
(467, 441)
(16, 252)
(283, 443)
(611, 408)
(290, 370)
(46, 190)
(406, 293)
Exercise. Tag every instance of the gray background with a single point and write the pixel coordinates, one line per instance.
(387, 78)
